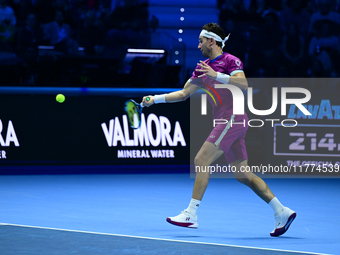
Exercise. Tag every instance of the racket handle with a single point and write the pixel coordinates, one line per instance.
(147, 100)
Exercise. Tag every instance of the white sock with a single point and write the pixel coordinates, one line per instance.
(276, 205)
(193, 206)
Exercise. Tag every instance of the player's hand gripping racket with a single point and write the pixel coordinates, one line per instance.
(134, 112)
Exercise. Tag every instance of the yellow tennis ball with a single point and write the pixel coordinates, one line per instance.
(60, 98)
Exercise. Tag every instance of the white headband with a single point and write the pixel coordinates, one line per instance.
(208, 34)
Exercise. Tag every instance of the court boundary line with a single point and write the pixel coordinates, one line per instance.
(159, 239)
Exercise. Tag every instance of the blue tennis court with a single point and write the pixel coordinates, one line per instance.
(125, 214)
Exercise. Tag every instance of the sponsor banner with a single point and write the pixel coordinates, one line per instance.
(35, 129)
(8, 137)
(148, 141)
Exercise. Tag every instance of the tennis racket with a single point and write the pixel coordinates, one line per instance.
(134, 112)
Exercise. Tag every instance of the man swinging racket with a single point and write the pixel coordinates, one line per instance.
(224, 68)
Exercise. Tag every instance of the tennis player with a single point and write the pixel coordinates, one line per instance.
(224, 68)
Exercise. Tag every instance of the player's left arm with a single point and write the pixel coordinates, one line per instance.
(238, 79)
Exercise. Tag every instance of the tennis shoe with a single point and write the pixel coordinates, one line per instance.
(185, 219)
(283, 221)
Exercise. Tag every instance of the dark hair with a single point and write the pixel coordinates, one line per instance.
(215, 28)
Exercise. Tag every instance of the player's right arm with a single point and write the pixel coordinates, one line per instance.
(173, 97)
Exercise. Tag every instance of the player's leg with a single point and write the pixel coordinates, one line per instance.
(252, 181)
(283, 215)
(208, 153)
(218, 142)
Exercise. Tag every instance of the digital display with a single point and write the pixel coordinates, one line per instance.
(314, 141)
(307, 140)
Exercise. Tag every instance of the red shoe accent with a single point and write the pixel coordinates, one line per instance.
(281, 231)
(186, 225)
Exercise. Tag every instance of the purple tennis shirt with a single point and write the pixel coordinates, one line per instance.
(227, 64)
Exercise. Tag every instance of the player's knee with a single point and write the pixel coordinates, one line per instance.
(199, 160)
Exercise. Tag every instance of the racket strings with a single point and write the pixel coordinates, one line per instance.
(133, 112)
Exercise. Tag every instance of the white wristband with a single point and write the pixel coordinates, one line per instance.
(221, 77)
(159, 99)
